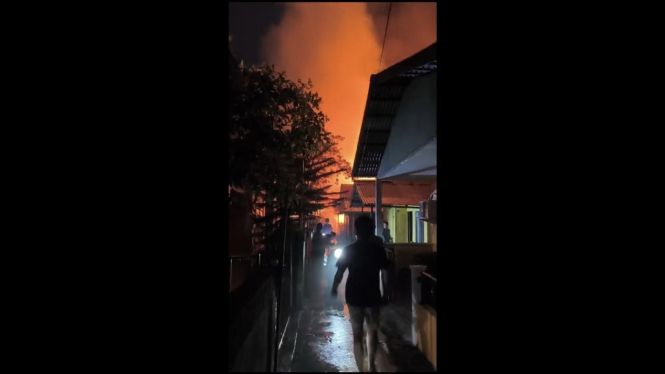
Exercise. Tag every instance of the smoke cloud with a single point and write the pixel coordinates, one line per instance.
(412, 28)
(338, 46)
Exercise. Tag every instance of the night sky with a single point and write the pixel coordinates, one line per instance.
(412, 24)
(336, 45)
(248, 23)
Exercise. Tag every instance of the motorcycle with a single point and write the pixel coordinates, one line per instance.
(331, 247)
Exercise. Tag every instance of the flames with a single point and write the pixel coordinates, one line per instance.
(338, 46)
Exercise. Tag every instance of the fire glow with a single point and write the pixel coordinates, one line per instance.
(338, 46)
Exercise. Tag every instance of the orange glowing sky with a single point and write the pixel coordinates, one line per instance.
(338, 46)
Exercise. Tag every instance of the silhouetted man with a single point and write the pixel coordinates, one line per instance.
(366, 261)
(318, 242)
(327, 228)
(386, 233)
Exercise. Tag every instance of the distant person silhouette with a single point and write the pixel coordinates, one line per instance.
(318, 243)
(327, 228)
(386, 233)
(331, 244)
(366, 261)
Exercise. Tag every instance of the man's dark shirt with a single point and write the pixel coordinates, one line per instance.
(386, 236)
(364, 259)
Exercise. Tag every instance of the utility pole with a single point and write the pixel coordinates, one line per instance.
(378, 216)
(304, 236)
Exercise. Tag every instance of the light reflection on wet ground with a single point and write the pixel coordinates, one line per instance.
(325, 340)
(325, 343)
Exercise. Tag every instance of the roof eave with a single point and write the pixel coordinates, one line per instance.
(421, 58)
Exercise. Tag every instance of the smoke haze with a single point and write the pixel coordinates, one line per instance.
(338, 46)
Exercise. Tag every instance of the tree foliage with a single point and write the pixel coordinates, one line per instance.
(280, 152)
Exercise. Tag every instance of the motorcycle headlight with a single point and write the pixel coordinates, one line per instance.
(338, 252)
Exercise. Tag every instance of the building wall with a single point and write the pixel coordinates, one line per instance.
(401, 225)
(414, 223)
(397, 218)
(406, 254)
(389, 216)
(252, 325)
(426, 234)
(240, 225)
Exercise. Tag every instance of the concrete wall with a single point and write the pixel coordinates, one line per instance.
(405, 253)
(253, 355)
(397, 218)
(426, 324)
(427, 320)
(240, 225)
(415, 123)
(433, 234)
(251, 325)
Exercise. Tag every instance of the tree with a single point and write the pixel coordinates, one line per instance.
(280, 153)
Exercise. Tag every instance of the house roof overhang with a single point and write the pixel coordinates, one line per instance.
(395, 192)
(385, 94)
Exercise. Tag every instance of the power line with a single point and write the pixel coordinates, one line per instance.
(381, 58)
(384, 35)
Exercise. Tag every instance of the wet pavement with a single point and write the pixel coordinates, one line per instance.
(319, 338)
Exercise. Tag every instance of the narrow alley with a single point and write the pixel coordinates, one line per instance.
(319, 338)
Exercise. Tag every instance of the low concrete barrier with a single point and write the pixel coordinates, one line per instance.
(405, 254)
(424, 316)
(252, 314)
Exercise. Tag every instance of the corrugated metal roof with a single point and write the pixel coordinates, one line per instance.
(398, 192)
(385, 94)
